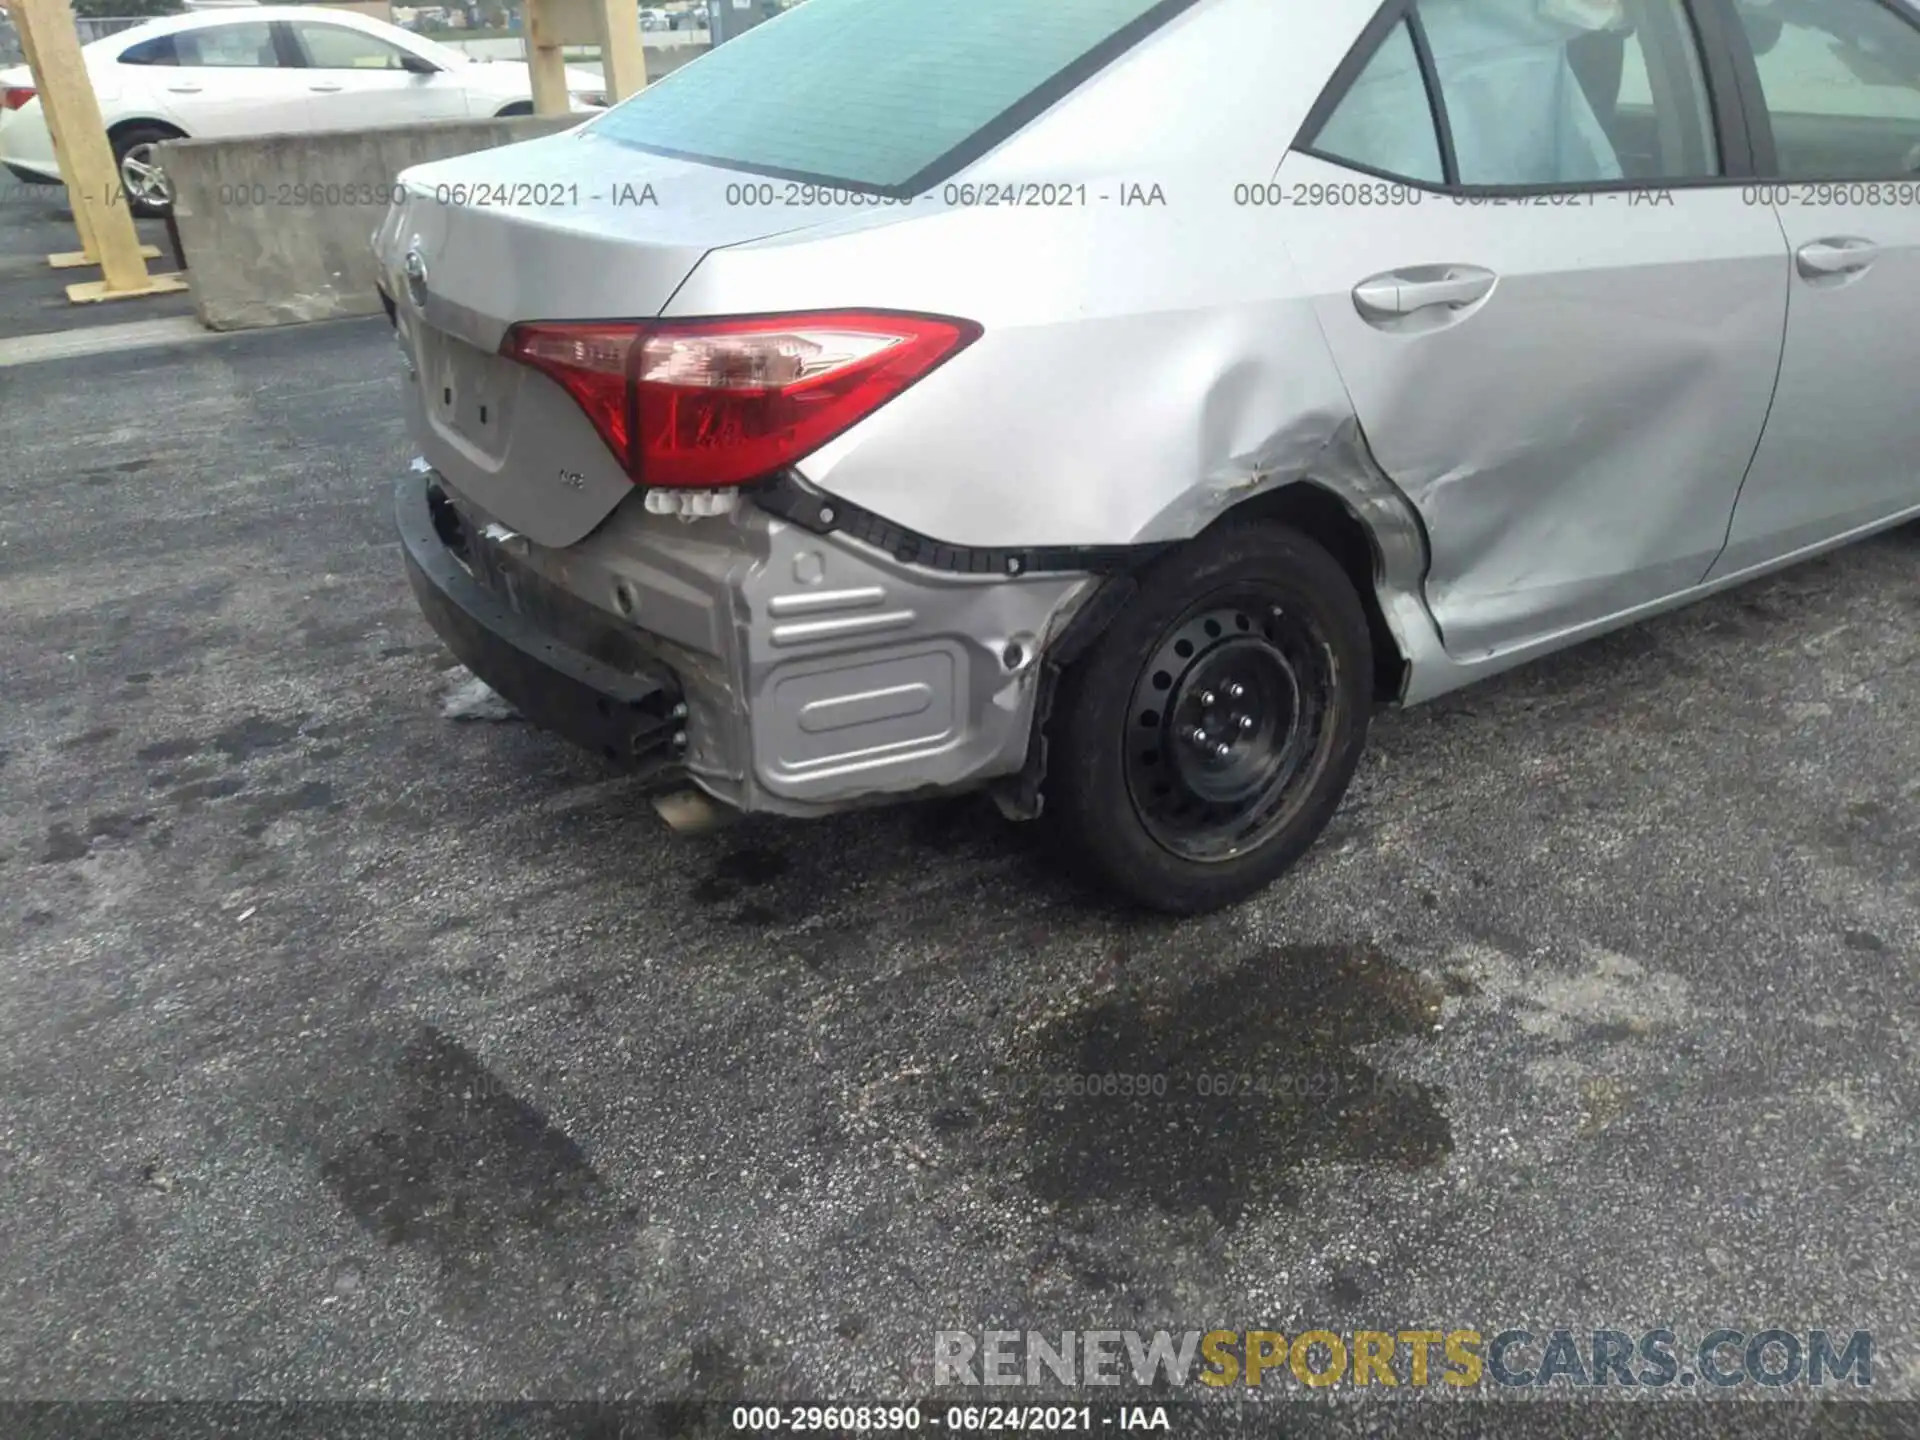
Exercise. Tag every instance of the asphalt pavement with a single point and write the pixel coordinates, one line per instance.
(35, 223)
(350, 1050)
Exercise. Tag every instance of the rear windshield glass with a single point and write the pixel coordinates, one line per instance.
(886, 95)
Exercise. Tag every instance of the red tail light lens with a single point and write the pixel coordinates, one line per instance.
(589, 362)
(15, 97)
(710, 403)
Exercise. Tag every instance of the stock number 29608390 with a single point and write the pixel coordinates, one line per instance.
(962, 1419)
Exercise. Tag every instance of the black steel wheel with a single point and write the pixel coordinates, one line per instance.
(1205, 740)
(1227, 714)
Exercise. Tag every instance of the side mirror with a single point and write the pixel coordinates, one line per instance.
(414, 65)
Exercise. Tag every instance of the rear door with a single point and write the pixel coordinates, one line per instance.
(353, 79)
(1839, 123)
(1557, 313)
(228, 79)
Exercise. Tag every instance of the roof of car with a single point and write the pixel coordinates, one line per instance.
(235, 14)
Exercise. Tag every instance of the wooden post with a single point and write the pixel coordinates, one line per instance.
(623, 58)
(614, 25)
(87, 254)
(545, 63)
(100, 212)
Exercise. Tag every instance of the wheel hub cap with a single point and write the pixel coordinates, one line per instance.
(143, 178)
(1232, 712)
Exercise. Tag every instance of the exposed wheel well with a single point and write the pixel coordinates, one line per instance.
(123, 126)
(1320, 515)
(518, 107)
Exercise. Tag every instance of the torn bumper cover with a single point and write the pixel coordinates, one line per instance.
(778, 668)
(628, 716)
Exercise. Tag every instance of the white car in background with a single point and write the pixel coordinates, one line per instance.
(260, 70)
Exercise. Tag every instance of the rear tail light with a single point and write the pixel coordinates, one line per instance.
(15, 97)
(710, 403)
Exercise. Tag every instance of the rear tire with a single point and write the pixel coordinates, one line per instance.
(141, 179)
(1207, 738)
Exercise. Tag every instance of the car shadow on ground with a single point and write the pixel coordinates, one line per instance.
(769, 872)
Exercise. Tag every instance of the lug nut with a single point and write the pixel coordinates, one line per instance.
(1246, 722)
(1207, 698)
(1222, 750)
(1236, 691)
(1199, 736)
(679, 712)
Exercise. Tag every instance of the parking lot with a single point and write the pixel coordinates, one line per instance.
(350, 1048)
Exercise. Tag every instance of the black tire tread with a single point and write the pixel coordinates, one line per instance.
(1086, 800)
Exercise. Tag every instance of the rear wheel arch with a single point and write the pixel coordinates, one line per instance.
(1323, 517)
(1317, 512)
(513, 108)
(121, 128)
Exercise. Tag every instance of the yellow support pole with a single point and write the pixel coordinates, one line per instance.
(546, 64)
(613, 25)
(623, 58)
(86, 254)
(100, 213)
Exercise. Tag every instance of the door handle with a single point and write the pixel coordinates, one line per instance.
(184, 89)
(325, 87)
(1422, 287)
(1844, 256)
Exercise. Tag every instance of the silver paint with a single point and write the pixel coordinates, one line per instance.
(902, 691)
(1618, 409)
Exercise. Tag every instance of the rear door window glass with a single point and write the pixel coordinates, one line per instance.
(246, 46)
(1552, 93)
(157, 51)
(1537, 94)
(877, 94)
(335, 47)
(1842, 83)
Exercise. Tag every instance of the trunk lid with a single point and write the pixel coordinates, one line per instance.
(569, 227)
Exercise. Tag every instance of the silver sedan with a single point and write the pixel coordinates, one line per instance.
(1107, 404)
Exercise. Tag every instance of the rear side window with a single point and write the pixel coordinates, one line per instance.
(157, 51)
(879, 94)
(238, 47)
(1534, 94)
(1385, 123)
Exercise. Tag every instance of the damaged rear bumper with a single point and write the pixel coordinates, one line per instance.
(628, 716)
(781, 670)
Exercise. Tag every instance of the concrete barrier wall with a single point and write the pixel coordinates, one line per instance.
(661, 62)
(275, 229)
(495, 47)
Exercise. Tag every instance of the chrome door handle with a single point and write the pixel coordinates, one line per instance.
(1843, 256)
(1404, 292)
(326, 89)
